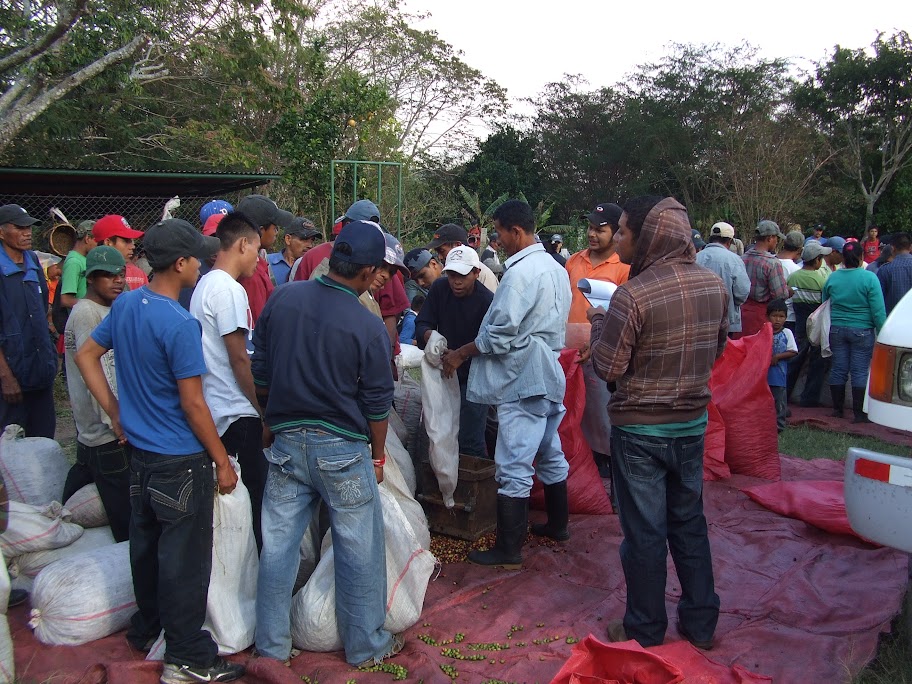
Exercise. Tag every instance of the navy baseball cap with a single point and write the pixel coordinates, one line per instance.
(366, 241)
(13, 213)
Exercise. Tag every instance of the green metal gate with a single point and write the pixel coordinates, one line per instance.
(379, 166)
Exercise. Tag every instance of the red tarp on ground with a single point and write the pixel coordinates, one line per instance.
(820, 418)
(798, 605)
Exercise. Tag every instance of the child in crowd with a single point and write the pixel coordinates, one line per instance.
(784, 348)
(407, 324)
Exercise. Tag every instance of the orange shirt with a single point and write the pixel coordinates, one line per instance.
(579, 267)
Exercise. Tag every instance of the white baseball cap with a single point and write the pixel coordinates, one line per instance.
(462, 260)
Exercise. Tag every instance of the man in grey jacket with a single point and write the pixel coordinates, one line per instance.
(717, 258)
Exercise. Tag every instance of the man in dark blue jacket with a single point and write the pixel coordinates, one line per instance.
(330, 420)
(28, 360)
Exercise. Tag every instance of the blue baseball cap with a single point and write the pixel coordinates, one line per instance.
(214, 207)
(836, 243)
(366, 241)
(363, 210)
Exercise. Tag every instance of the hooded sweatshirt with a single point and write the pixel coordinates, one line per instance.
(664, 329)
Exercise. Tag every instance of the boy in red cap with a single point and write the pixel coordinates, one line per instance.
(114, 231)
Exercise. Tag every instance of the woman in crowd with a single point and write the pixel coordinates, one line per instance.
(856, 315)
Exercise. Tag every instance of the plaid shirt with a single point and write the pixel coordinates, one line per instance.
(664, 329)
(766, 275)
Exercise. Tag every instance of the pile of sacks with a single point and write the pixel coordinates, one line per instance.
(81, 584)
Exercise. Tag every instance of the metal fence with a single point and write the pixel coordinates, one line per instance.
(140, 212)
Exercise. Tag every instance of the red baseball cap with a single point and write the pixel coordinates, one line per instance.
(111, 226)
(212, 224)
(337, 226)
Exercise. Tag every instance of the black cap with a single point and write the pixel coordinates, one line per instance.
(366, 243)
(13, 213)
(262, 211)
(448, 232)
(303, 228)
(605, 213)
(169, 240)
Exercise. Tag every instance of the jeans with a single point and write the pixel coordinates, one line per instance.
(659, 485)
(109, 468)
(780, 397)
(852, 350)
(244, 440)
(171, 553)
(527, 435)
(306, 466)
(472, 423)
(35, 413)
(816, 364)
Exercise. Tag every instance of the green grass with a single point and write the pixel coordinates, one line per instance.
(893, 664)
(809, 443)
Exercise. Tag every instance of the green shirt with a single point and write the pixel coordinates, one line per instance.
(73, 280)
(689, 428)
(808, 285)
(856, 299)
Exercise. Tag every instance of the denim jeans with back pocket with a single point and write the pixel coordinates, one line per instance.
(306, 466)
(659, 485)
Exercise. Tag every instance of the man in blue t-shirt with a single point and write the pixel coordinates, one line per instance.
(162, 414)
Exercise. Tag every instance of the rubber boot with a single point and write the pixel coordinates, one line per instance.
(837, 393)
(512, 525)
(858, 395)
(558, 513)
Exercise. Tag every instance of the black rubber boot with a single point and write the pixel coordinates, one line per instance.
(858, 394)
(512, 526)
(558, 513)
(837, 393)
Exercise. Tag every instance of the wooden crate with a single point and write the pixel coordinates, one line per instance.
(475, 512)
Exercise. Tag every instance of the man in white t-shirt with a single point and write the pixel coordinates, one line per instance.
(220, 304)
(790, 257)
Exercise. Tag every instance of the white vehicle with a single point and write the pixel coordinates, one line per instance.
(878, 487)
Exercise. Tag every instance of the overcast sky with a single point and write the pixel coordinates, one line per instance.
(524, 45)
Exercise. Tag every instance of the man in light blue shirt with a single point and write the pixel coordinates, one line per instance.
(718, 258)
(516, 369)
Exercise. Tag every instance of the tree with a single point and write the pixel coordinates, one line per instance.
(504, 163)
(863, 101)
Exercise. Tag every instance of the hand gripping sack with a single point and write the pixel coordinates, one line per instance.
(440, 399)
(33, 468)
(408, 571)
(83, 598)
(30, 564)
(231, 605)
(86, 508)
(34, 528)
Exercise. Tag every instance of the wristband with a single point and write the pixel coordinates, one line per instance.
(379, 463)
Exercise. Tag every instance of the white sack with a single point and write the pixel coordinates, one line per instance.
(83, 598)
(33, 468)
(30, 564)
(410, 356)
(86, 508)
(440, 399)
(7, 666)
(395, 451)
(34, 528)
(408, 571)
(407, 402)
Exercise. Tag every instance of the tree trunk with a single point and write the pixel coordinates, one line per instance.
(20, 115)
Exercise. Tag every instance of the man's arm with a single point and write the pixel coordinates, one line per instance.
(88, 360)
(378, 430)
(12, 392)
(200, 419)
(427, 319)
(614, 337)
(239, 359)
(455, 358)
(741, 285)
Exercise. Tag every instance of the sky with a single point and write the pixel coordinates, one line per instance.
(524, 45)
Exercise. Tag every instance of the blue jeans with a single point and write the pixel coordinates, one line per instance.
(473, 418)
(306, 466)
(527, 435)
(659, 486)
(852, 350)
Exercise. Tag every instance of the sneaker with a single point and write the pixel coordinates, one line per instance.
(398, 643)
(220, 671)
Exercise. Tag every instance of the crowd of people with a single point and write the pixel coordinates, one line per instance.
(197, 352)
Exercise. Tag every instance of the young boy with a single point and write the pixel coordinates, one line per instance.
(161, 411)
(784, 348)
(407, 324)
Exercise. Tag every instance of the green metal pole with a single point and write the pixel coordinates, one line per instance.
(355, 184)
(399, 206)
(379, 184)
(332, 190)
